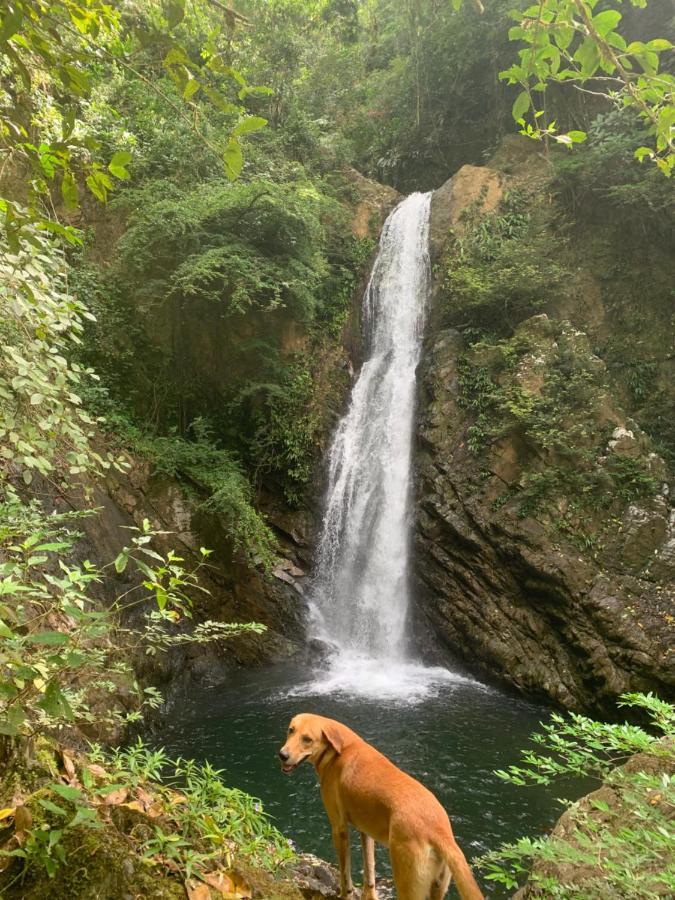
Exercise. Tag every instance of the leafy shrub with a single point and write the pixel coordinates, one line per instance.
(620, 850)
(285, 429)
(221, 818)
(247, 246)
(502, 271)
(44, 428)
(603, 176)
(64, 659)
(216, 474)
(175, 816)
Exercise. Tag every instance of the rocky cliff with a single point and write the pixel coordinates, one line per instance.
(545, 532)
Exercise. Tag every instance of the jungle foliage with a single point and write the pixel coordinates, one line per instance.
(621, 834)
(176, 258)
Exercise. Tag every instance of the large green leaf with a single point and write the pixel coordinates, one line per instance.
(520, 106)
(606, 21)
(49, 638)
(233, 159)
(249, 124)
(117, 165)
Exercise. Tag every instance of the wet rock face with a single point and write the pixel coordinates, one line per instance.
(508, 591)
(236, 592)
(510, 598)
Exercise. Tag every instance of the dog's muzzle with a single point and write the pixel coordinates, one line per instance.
(286, 766)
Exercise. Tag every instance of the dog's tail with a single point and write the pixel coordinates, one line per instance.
(459, 867)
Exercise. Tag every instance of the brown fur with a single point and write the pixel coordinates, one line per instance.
(362, 788)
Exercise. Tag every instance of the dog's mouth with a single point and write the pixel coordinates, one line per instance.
(288, 767)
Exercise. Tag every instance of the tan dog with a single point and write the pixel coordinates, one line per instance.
(361, 787)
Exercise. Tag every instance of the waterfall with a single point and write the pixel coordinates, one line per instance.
(361, 591)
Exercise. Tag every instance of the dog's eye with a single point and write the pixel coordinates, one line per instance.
(291, 730)
(306, 739)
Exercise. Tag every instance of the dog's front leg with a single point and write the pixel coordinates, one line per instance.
(344, 855)
(369, 891)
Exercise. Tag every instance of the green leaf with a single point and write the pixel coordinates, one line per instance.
(191, 89)
(55, 703)
(117, 165)
(659, 44)
(175, 56)
(521, 105)
(10, 24)
(233, 159)
(606, 21)
(642, 152)
(49, 638)
(563, 36)
(261, 90)
(121, 562)
(69, 190)
(174, 12)
(66, 791)
(85, 816)
(15, 717)
(588, 57)
(249, 124)
(52, 807)
(577, 137)
(98, 187)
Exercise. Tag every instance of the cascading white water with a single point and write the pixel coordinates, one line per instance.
(361, 590)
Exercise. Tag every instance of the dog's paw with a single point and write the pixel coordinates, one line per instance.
(369, 893)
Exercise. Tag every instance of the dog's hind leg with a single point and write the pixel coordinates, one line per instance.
(412, 875)
(441, 883)
(368, 846)
(344, 855)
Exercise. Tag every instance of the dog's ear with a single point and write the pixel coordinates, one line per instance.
(332, 734)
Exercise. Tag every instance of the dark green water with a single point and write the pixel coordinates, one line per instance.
(451, 741)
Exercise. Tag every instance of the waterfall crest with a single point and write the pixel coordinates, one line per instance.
(360, 595)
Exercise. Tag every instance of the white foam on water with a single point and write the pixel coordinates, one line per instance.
(371, 678)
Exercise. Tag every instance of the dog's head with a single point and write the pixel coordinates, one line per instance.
(307, 738)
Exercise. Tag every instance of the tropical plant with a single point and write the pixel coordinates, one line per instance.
(621, 842)
(43, 428)
(50, 51)
(184, 821)
(64, 657)
(578, 42)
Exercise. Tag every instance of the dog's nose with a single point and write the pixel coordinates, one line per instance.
(283, 755)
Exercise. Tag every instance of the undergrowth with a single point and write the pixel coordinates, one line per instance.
(622, 838)
(501, 270)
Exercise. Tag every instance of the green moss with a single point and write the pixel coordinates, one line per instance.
(558, 421)
(503, 270)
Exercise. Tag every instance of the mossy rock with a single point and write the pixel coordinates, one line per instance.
(99, 866)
